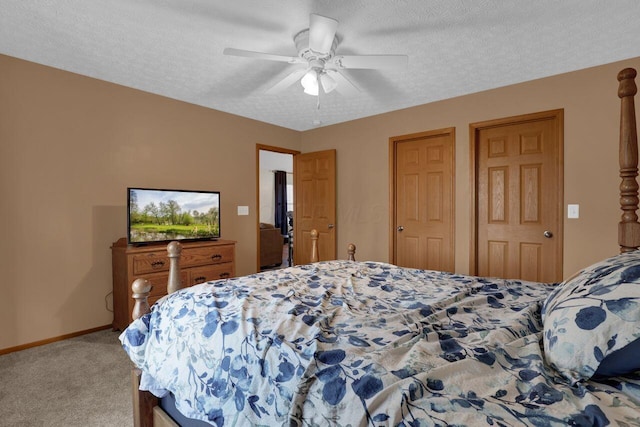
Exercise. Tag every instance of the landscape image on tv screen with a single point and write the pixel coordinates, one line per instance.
(163, 215)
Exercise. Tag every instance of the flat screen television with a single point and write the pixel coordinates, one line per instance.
(158, 215)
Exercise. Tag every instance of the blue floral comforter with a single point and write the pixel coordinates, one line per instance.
(354, 344)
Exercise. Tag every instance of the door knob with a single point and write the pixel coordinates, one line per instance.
(400, 228)
(547, 234)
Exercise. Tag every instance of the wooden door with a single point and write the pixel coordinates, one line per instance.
(423, 205)
(315, 205)
(519, 197)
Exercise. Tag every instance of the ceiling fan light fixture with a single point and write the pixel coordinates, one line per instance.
(328, 83)
(310, 83)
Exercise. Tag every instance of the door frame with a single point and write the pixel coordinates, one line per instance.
(262, 147)
(393, 143)
(474, 129)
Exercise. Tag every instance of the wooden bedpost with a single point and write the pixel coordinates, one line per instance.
(143, 401)
(314, 246)
(174, 249)
(628, 228)
(140, 292)
(351, 252)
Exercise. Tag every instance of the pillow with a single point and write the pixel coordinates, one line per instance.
(620, 362)
(593, 319)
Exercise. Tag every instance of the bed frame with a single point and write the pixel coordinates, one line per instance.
(146, 411)
(145, 405)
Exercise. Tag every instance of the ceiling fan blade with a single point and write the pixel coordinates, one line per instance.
(261, 55)
(344, 85)
(388, 62)
(322, 31)
(286, 82)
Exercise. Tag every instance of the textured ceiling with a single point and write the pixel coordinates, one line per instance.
(455, 47)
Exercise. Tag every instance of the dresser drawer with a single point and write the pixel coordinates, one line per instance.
(150, 262)
(206, 255)
(153, 299)
(159, 282)
(210, 272)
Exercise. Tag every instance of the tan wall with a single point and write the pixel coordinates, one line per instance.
(591, 122)
(70, 146)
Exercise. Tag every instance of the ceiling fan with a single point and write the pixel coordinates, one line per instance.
(321, 66)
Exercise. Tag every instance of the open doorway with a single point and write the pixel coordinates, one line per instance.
(274, 171)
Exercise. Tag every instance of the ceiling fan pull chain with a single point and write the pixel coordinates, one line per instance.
(316, 114)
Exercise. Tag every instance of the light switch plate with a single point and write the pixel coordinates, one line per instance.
(573, 211)
(243, 210)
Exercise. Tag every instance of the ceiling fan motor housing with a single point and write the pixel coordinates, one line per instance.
(305, 52)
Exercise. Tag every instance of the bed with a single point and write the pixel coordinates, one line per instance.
(347, 343)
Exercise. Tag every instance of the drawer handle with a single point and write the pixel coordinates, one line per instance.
(224, 275)
(216, 257)
(157, 264)
(200, 279)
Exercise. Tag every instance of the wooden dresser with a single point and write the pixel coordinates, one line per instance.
(199, 262)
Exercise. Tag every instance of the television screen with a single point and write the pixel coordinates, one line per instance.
(156, 215)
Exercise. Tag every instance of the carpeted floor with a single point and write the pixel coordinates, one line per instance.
(83, 381)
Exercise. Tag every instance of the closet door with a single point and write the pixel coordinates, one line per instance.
(423, 200)
(519, 203)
